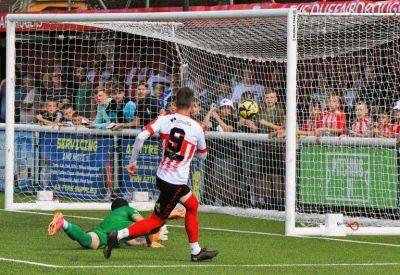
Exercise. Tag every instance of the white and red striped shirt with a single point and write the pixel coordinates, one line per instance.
(362, 126)
(388, 130)
(396, 128)
(312, 124)
(182, 137)
(336, 120)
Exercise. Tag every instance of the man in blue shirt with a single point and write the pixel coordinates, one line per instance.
(121, 110)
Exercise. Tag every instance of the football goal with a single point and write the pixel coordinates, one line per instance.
(318, 150)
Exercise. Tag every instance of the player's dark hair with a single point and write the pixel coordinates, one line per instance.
(184, 98)
(117, 203)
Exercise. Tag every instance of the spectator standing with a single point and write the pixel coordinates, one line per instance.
(68, 114)
(361, 126)
(77, 121)
(333, 120)
(383, 128)
(58, 92)
(248, 84)
(162, 77)
(121, 110)
(147, 106)
(225, 153)
(102, 120)
(83, 93)
(272, 119)
(159, 94)
(27, 101)
(51, 115)
(313, 122)
(272, 116)
(396, 111)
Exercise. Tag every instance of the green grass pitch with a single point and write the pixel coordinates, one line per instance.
(25, 248)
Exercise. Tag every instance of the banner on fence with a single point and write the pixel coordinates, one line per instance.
(24, 159)
(348, 176)
(76, 166)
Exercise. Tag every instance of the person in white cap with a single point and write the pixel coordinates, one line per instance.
(222, 120)
(225, 153)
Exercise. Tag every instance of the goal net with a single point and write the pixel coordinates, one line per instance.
(86, 84)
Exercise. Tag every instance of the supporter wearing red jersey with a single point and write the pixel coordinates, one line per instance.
(333, 120)
(182, 138)
(383, 128)
(396, 126)
(313, 122)
(361, 126)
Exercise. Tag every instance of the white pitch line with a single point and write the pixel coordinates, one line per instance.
(234, 231)
(27, 262)
(236, 265)
(195, 265)
(233, 265)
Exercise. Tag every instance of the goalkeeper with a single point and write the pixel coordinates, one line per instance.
(121, 216)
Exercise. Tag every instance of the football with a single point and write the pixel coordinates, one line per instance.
(248, 109)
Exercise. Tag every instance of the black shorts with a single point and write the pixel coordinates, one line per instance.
(170, 194)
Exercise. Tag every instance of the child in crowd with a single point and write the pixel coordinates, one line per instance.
(159, 94)
(383, 128)
(51, 116)
(222, 120)
(313, 122)
(361, 126)
(78, 121)
(333, 120)
(68, 115)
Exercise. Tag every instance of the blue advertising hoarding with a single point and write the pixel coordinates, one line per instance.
(148, 160)
(75, 166)
(24, 159)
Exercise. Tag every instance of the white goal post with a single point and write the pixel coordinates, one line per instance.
(14, 19)
(296, 54)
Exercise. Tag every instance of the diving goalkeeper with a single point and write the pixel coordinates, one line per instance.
(121, 216)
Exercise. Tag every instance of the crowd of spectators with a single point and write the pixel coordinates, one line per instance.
(99, 100)
(349, 100)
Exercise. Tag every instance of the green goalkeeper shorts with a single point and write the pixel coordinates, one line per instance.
(102, 236)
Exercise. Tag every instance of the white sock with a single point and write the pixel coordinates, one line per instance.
(123, 233)
(65, 224)
(195, 248)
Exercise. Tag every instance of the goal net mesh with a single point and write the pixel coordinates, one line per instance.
(92, 85)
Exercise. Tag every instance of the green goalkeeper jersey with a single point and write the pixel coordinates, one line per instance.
(118, 219)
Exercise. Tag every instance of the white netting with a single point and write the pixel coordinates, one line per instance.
(354, 57)
(347, 93)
